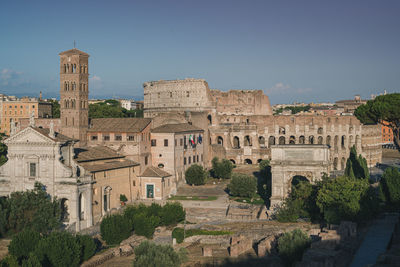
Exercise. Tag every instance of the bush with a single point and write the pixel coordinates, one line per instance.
(195, 175)
(145, 225)
(88, 247)
(292, 245)
(9, 261)
(123, 198)
(222, 169)
(178, 234)
(32, 261)
(242, 185)
(150, 254)
(391, 186)
(288, 211)
(115, 228)
(24, 243)
(59, 249)
(4, 213)
(172, 213)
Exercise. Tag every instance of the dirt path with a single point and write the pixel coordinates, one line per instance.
(4, 247)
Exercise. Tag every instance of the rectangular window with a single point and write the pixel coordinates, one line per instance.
(153, 142)
(131, 138)
(181, 142)
(134, 183)
(184, 161)
(197, 157)
(194, 159)
(118, 138)
(105, 174)
(165, 142)
(146, 160)
(32, 169)
(93, 137)
(190, 159)
(106, 137)
(176, 142)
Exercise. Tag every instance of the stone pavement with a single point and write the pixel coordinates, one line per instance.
(375, 241)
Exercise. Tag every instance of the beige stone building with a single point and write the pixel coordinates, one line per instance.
(156, 184)
(18, 109)
(175, 147)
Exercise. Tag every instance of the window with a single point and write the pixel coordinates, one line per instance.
(106, 138)
(181, 142)
(153, 142)
(160, 165)
(197, 158)
(131, 138)
(194, 159)
(165, 142)
(146, 160)
(134, 183)
(176, 142)
(118, 138)
(184, 161)
(190, 159)
(32, 169)
(105, 174)
(93, 137)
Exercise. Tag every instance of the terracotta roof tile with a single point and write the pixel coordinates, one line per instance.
(155, 172)
(132, 125)
(95, 153)
(176, 128)
(58, 137)
(108, 165)
(74, 51)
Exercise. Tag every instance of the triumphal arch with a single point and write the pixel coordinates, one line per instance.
(289, 161)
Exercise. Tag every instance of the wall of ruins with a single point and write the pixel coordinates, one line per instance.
(248, 139)
(176, 95)
(243, 102)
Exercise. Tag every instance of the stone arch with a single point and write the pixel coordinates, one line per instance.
(271, 141)
(295, 180)
(236, 142)
(320, 140)
(282, 130)
(342, 163)
(320, 130)
(343, 142)
(233, 161)
(220, 140)
(311, 139)
(302, 139)
(107, 198)
(81, 207)
(335, 143)
(259, 160)
(261, 141)
(350, 141)
(64, 210)
(335, 164)
(357, 141)
(247, 140)
(292, 140)
(328, 140)
(209, 118)
(282, 140)
(248, 161)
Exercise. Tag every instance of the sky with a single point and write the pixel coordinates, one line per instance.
(302, 51)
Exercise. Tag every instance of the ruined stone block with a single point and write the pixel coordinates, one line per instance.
(207, 252)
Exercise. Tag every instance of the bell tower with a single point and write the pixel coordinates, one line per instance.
(74, 94)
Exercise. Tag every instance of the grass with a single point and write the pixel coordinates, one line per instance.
(201, 198)
(257, 200)
(178, 233)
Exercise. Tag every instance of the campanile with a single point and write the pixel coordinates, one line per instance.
(74, 93)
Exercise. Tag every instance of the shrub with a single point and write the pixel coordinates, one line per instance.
(222, 169)
(391, 186)
(132, 211)
(32, 261)
(195, 175)
(9, 261)
(123, 198)
(288, 211)
(115, 228)
(242, 185)
(88, 247)
(145, 225)
(24, 243)
(172, 213)
(4, 213)
(150, 254)
(178, 234)
(292, 245)
(59, 249)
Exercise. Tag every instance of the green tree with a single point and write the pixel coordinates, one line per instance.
(390, 185)
(222, 169)
(172, 213)
(32, 261)
(59, 249)
(356, 166)
(291, 246)
(55, 108)
(383, 109)
(339, 199)
(242, 185)
(4, 214)
(150, 254)
(195, 175)
(34, 209)
(112, 109)
(145, 225)
(87, 245)
(24, 243)
(115, 228)
(3, 150)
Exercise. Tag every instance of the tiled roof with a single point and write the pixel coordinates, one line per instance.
(85, 154)
(108, 165)
(154, 172)
(74, 51)
(176, 128)
(131, 125)
(58, 137)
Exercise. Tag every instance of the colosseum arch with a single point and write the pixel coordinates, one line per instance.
(247, 141)
(302, 140)
(311, 139)
(342, 164)
(261, 141)
(282, 140)
(289, 161)
(236, 142)
(220, 140)
(320, 140)
(328, 140)
(292, 140)
(271, 141)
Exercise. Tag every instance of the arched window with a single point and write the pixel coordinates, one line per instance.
(81, 207)
(282, 140)
(328, 140)
(106, 198)
(65, 68)
(236, 142)
(232, 161)
(247, 141)
(336, 141)
(220, 141)
(65, 86)
(342, 164)
(343, 141)
(261, 141)
(335, 164)
(248, 161)
(271, 141)
(350, 141)
(64, 210)
(320, 130)
(311, 140)
(209, 119)
(80, 68)
(282, 130)
(160, 165)
(292, 140)
(320, 140)
(302, 139)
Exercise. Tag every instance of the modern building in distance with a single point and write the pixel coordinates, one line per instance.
(128, 104)
(16, 109)
(349, 106)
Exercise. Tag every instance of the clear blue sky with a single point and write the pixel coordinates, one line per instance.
(294, 50)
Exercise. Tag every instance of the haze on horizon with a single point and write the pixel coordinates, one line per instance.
(303, 51)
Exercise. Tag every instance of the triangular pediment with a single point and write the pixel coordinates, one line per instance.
(28, 135)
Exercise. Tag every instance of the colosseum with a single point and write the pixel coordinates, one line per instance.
(239, 124)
